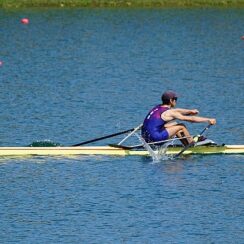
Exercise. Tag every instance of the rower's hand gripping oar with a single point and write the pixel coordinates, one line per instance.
(105, 137)
(193, 143)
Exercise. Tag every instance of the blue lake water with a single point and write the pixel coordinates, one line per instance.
(73, 75)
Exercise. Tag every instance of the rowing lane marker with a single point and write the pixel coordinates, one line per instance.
(24, 21)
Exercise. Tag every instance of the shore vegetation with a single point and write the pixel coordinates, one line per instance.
(119, 3)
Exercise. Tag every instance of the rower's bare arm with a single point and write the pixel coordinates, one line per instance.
(197, 119)
(192, 119)
(178, 113)
(187, 111)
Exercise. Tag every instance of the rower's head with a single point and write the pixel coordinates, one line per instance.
(169, 98)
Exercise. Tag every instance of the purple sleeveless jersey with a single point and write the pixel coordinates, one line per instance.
(153, 125)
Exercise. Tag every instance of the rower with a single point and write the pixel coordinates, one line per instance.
(160, 123)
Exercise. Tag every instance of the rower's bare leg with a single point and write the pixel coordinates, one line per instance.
(180, 131)
(183, 140)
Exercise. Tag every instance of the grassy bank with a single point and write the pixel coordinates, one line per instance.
(119, 3)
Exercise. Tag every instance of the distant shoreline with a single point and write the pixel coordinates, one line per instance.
(117, 3)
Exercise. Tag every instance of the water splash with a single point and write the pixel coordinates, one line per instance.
(159, 154)
(152, 153)
(162, 150)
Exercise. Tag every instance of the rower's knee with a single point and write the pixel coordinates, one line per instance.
(182, 125)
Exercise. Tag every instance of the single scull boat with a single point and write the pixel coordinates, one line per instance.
(110, 150)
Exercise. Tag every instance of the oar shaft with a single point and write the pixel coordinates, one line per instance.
(103, 137)
(206, 128)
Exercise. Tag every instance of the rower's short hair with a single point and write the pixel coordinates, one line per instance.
(167, 96)
(165, 101)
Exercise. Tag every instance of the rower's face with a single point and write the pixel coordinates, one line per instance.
(173, 102)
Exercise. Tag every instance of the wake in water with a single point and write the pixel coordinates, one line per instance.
(44, 143)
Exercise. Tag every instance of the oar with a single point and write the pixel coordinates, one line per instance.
(192, 143)
(103, 137)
